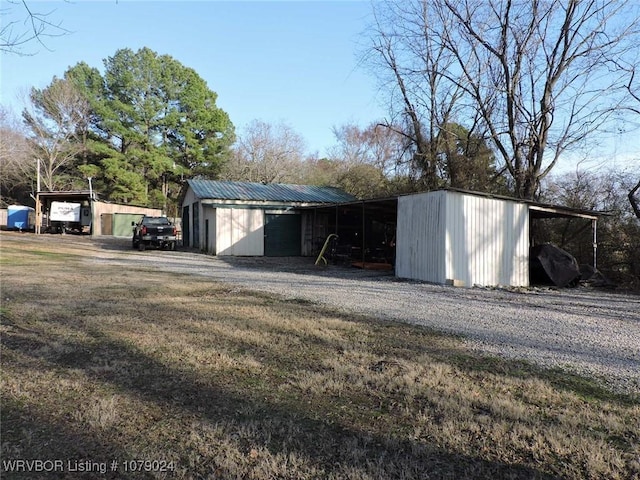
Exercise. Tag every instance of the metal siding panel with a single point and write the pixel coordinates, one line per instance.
(257, 232)
(238, 226)
(210, 214)
(487, 241)
(484, 236)
(239, 232)
(455, 236)
(468, 238)
(479, 250)
(499, 213)
(224, 225)
(499, 258)
(247, 232)
(467, 251)
(404, 238)
(520, 276)
(456, 250)
(420, 237)
(507, 255)
(513, 259)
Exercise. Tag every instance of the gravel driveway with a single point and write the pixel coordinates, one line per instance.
(588, 331)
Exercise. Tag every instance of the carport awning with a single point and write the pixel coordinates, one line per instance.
(540, 211)
(384, 209)
(537, 210)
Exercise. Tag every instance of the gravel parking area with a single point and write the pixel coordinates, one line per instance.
(587, 331)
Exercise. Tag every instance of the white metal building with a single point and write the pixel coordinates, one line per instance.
(457, 238)
(450, 237)
(464, 238)
(252, 219)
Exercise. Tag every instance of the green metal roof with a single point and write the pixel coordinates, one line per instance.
(270, 192)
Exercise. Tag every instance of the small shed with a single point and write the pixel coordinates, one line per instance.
(464, 238)
(252, 219)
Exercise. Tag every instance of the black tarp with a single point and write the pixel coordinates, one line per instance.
(550, 265)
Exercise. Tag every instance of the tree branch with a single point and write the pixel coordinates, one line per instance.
(35, 26)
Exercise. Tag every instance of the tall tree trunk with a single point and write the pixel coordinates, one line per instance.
(633, 201)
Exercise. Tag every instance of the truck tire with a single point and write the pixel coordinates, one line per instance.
(141, 246)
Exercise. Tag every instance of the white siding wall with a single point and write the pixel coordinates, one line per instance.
(466, 240)
(240, 231)
(197, 205)
(209, 241)
(420, 237)
(487, 241)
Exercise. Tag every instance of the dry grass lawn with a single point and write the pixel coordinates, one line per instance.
(210, 381)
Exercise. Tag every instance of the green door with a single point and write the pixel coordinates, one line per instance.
(282, 235)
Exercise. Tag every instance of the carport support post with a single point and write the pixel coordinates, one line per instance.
(363, 229)
(594, 224)
(38, 206)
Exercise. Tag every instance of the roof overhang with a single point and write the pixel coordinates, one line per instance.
(381, 209)
(212, 202)
(537, 209)
(552, 211)
(75, 195)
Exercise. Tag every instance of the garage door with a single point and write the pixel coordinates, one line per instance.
(282, 235)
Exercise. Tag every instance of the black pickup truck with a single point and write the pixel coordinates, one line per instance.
(156, 232)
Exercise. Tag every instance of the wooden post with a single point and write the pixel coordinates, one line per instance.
(38, 206)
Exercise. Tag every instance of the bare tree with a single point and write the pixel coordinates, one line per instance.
(268, 153)
(56, 120)
(541, 76)
(369, 162)
(633, 89)
(633, 201)
(412, 63)
(375, 145)
(22, 25)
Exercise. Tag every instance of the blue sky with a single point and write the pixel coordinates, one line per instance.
(295, 62)
(285, 61)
